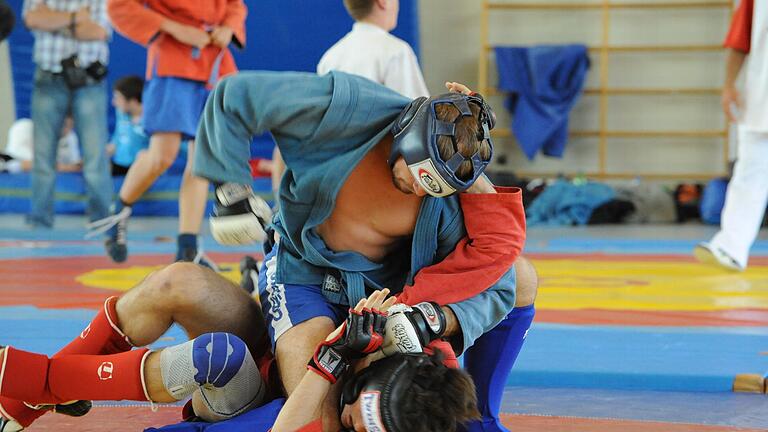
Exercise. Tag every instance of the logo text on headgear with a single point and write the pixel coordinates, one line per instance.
(429, 182)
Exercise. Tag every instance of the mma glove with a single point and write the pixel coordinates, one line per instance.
(239, 217)
(361, 334)
(410, 328)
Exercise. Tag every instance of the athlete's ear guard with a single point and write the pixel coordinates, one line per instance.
(416, 131)
(381, 387)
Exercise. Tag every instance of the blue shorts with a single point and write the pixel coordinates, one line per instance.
(287, 305)
(173, 105)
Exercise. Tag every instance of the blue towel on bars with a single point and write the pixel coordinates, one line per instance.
(565, 203)
(544, 82)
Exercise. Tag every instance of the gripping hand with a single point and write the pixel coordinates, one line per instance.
(361, 334)
(410, 328)
(240, 217)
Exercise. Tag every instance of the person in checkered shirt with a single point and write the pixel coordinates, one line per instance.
(63, 29)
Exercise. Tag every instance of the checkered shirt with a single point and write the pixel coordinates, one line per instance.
(53, 47)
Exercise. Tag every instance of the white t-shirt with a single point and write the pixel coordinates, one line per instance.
(756, 85)
(749, 34)
(21, 143)
(373, 53)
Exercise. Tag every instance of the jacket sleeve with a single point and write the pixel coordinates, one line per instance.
(740, 33)
(291, 106)
(235, 19)
(133, 20)
(481, 313)
(495, 225)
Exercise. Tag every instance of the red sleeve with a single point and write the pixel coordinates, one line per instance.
(740, 34)
(315, 426)
(235, 19)
(495, 226)
(133, 20)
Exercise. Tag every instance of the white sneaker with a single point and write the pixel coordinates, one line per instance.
(708, 254)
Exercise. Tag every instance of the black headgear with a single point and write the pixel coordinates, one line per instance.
(415, 139)
(380, 387)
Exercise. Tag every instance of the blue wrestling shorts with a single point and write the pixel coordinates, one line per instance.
(287, 305)
(173, 105)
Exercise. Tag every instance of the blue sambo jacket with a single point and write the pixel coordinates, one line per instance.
(324, 125)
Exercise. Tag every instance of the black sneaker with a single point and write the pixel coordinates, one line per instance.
(77, 408)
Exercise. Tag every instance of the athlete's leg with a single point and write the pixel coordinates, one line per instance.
(491, 358)
(199, 299)
(196, 298)
(149, 165)
(219, 364)
(298, 319)
(745, 199)
(193, 195)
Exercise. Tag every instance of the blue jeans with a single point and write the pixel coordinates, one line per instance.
(51, 101)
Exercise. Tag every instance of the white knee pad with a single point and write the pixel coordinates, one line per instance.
(220, 365)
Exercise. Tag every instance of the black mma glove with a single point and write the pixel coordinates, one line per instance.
(240, 217)
(410, 328)
(361, 334)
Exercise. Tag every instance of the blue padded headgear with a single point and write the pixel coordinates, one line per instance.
(382, 386)
(416, 131)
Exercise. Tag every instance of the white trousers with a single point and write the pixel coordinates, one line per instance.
(746, 197)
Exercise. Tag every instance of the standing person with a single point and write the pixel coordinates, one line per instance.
(187, 52)
(747, 192)
(128, 138)
(369, 50)
(71, 55)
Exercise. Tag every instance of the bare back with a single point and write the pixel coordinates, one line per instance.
(371, 215)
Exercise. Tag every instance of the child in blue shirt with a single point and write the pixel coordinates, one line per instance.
(128, 138)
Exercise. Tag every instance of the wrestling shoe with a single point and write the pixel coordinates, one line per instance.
(73, 409)
(115, 227)
(8, 425)
(249, 272)
(708, 254)
(240, 216)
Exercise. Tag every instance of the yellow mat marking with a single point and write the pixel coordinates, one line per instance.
(123, 279)
(568, 284)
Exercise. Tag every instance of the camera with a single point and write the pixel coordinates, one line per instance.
(76, 76)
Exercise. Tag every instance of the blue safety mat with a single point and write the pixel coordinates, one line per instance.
(727, 409)
(700, 359)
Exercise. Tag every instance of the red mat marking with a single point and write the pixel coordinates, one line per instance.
(731, 318)
(753, 261)
(125, 419)
(50, 282)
